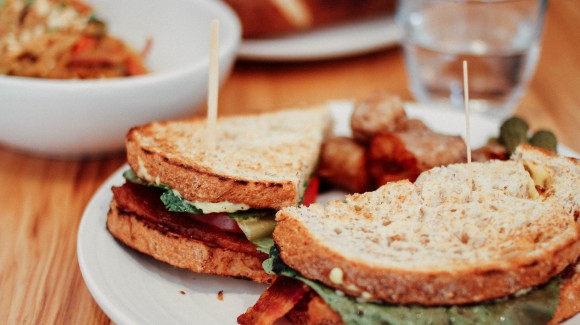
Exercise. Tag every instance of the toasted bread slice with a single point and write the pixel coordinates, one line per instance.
(443, 240)
(138, 218)
(183, 252)
(260, 160)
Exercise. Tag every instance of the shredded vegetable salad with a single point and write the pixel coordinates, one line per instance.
(61, 39)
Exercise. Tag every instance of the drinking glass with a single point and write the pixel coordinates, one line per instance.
(499, 39)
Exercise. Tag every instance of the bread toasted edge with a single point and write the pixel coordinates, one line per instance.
(195, 184)
(302, 251)
(182, 252)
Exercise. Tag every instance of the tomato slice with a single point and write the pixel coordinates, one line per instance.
(223, 222)
(311, 192)
(218, 220)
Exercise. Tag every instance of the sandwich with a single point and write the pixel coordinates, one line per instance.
(479, 243)
(210, 210)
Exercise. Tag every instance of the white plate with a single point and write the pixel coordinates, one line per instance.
(325, 43)
(132, 288)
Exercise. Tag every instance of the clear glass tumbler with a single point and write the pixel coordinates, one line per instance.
(500, 40)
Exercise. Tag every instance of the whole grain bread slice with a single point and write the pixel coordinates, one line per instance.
(183, 252)
(443, 240)
(260, 160)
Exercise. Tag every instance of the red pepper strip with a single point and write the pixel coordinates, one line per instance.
(311, 192)
(85, 43)
(275, 302)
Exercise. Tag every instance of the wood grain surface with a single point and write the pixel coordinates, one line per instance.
(42, 200)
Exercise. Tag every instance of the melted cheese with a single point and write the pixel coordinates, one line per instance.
(225, 206)
(215, 207)
(539, 176)
(539, 173)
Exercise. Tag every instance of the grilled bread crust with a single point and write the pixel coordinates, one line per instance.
(198, 184)
(182, 252)
(262, 160)
(267, 18)
(391, 258)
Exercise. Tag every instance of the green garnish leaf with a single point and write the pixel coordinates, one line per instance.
(545, 139)
(264, 244)
(132, 177)
(173, 202)
(535, 307)
(513, 132)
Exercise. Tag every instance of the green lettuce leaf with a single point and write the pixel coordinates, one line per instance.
(132, 177)
(173, 201)
(257, 225)
(534, 307)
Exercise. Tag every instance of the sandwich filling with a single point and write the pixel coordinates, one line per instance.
(256, 225)
(142, 202)
(532, 306)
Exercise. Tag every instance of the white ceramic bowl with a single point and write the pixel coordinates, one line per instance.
(78, 118)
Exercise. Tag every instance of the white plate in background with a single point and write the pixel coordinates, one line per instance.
(331, 42)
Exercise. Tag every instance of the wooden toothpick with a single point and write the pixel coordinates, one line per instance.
(467, 124)
(213, 85)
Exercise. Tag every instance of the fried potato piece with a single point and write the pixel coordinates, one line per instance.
(378, 114)
(404, 155)
(343, 164)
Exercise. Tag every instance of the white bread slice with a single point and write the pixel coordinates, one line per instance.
(260, 160)
(436, 242)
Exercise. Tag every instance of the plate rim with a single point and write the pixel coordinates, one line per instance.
(317, 41)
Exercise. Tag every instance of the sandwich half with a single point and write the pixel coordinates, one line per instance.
(494, 242)
(210, 211)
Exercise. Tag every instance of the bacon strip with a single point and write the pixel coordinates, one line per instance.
(144, 203)
(313, 310)
(275, 302)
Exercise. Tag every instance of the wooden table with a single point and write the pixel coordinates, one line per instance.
(42, 200)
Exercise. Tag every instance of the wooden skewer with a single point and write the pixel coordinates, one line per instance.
(213, 85)
(467, 124)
